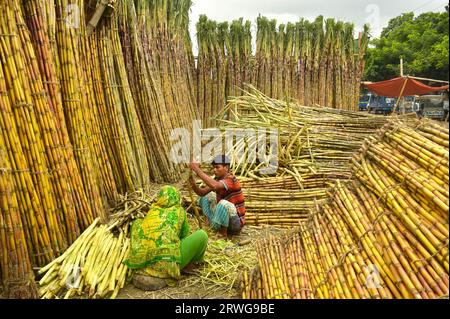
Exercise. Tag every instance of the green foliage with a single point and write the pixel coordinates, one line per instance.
(421, 41)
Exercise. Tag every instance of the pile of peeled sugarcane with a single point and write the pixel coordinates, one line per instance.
(384, 234)
(91, 266)
(314, 148)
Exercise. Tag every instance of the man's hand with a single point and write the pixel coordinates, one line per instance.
(212, 185)
(195, 167)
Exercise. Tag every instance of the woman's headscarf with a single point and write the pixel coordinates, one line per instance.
(168, 197)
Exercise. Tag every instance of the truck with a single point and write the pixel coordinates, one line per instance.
(364, 101)
(407, 104)
(433, 106)
(381, 104)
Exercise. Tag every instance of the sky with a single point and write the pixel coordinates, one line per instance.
(375, 12)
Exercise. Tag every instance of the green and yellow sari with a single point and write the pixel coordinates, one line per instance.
(156, 239)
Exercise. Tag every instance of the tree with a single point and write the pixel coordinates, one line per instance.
(421, 41)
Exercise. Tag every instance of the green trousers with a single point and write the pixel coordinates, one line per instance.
(193, 248)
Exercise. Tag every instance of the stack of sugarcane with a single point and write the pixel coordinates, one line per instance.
(90, 97)
(15, 260)
(310, 140)
(239, 49)
(382, 235)
(117, 115)
(224, 63)
(158, 58)
(314, 149)
(280, 200)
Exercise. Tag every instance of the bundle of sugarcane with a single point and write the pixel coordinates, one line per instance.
(207, 74)
(271, 274)
(408, 170)
(384, 236)
(123, 131)
(156, 45)
(16, 275)
(75, 100)
(434, 132)
(281, 206)
(92, 265)
(280, 200)
(239, 56)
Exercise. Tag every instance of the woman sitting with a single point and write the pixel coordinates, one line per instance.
(160, 245)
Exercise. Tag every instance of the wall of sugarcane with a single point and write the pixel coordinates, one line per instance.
(318, 63)
(224, 64)
(384, 233)
(85, 115)
(160, 64)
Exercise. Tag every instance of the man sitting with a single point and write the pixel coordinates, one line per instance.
(222, 200)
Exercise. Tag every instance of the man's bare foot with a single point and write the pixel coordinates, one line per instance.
(223, 233)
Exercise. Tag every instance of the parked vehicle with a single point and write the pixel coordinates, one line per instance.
(364, 101)
(407, 104)
(433, 106)
(381, 104)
